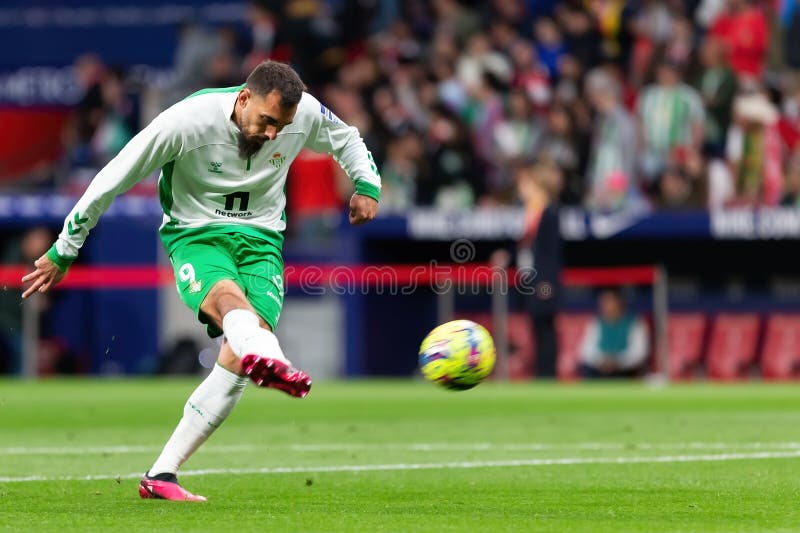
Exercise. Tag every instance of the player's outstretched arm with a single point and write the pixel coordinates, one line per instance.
(151, 148)
(45, 276)
(330, 135)
(362, 209)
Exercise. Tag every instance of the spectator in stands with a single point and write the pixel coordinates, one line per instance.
(717, 87)
(537, 8)
(411, 87)
(755, 151)
(683, 184)
(655, 22)
(580, 32)
(657, 33)
(88, 113)
(743, 27)
(455, 179)
(530, 75)
(612, 159)
(401, 171)
(691, 190)
(196, 46)
(456, 19)
(473, 59)
(223, 70)
(567, 90)
(615, 344)
(671, 116)
(113, 129)
(313, 36)
(386, 12)
(503, 35)
(483, 115)
(681, 43)
(615, 22)
(480, 60)
(263, 30)
(391, 117)
(102, 123)
(519, 131)
(450, 91)
(560, 143)
(674, 188)
(550, 45)
(708, 11)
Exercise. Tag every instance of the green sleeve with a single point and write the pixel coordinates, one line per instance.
(61, 261)
(365, 188)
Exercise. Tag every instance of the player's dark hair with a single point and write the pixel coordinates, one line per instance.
(274, 76)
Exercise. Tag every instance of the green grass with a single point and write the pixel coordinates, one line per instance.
(115, 428)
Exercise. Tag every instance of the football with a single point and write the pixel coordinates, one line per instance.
(457, 355)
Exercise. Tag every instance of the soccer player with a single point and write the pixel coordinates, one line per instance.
(224, 155)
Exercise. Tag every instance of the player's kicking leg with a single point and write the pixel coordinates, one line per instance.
(254, 349)
(272, 371)
(249, 350)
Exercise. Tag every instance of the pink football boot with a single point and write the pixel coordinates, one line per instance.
(166, 487)
(276, 374)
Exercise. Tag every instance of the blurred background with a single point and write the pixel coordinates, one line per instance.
(640, 158)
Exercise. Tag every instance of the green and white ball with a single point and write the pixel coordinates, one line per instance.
(457, 355)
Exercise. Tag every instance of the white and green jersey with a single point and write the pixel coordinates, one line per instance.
(667, 115)
(204, 183)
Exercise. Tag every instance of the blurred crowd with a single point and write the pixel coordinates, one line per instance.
(674, 104)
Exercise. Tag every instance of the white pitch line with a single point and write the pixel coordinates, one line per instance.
(438, 466)
(419, 446)
(100, 450)
(542, 446)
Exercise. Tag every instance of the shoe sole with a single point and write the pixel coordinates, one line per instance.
(275, 374)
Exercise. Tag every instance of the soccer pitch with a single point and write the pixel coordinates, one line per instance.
(406, 456)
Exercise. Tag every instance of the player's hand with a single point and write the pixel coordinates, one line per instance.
(45, 276)
(362, 209)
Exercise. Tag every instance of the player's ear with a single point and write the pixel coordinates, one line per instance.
(244, 96)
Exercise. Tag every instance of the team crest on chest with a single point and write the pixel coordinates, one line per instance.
(277, 159)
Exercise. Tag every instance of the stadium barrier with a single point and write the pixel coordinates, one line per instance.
(445, 279)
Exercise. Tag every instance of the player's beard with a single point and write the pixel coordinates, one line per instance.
(249, 146)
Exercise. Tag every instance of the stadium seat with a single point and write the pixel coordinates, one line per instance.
(780, 357)
(732, 348)
(685, 335)
(570, 328)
